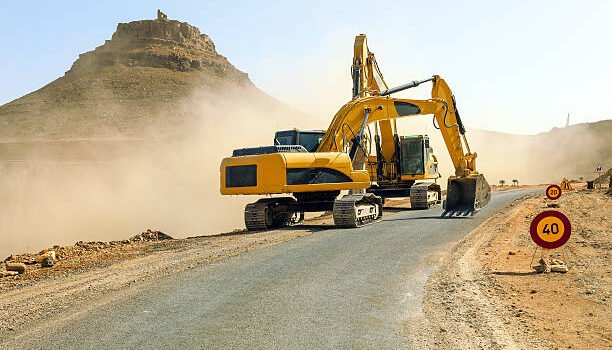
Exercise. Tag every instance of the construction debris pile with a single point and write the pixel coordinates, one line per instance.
(71, 256)
(555, 265)
(149, 236)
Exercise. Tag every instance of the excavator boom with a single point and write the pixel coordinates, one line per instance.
(467, 191)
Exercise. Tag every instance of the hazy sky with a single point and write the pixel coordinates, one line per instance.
(514, 66)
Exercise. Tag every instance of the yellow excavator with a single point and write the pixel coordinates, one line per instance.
(315, 166)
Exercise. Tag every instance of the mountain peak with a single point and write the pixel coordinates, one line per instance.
(159, 43)
(142, 77)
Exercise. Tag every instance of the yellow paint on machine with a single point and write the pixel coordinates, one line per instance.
(272, 172)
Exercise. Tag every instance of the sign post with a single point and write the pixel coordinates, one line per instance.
(550, 229)
(565, 185)
(599, 171)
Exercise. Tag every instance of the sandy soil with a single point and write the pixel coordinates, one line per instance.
(485, 295)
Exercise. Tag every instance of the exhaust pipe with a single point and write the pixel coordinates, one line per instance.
(466, 195)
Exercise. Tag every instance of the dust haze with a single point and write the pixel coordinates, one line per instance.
(122, 188)
(172, 183)
(570, 152)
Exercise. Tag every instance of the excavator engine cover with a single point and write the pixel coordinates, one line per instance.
(466, 195)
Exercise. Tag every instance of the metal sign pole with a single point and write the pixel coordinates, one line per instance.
(599, 171)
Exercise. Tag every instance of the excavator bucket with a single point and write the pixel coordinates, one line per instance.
(465, 195)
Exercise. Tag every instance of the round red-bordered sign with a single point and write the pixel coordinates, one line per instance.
(550, 229)
(553, 192)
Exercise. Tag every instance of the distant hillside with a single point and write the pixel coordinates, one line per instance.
(132, 86)
(571, 152)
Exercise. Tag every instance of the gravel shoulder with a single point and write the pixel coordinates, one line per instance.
(88, 271)
(78, 281)
(485, 295)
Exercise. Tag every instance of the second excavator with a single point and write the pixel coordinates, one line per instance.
(314, 167)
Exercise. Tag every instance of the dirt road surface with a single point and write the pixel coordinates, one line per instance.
(485, 295)
(334, 289)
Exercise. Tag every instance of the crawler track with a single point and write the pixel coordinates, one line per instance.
(255, 216)
(270, 213)
(424, 195)
(357, 210)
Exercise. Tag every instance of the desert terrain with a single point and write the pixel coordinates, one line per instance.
(485, 294)
(109, 180)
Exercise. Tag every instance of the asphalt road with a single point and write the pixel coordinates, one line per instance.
(337, 289)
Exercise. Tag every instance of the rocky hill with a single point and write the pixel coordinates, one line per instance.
(571, 152)
(143, 76)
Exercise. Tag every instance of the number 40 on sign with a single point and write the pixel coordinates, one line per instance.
(550, 229)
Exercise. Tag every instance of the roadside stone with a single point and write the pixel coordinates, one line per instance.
(542, 267)
(8, 273)
(18, 267)
(559, 268)
(47, 262)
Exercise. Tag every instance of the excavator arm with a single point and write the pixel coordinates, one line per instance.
(452, 129)
(367, 78)
(368, 81)
(467, 191)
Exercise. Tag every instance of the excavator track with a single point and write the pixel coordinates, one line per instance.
(424, 195)
(356, 210)
(268, 213)
(255, 216)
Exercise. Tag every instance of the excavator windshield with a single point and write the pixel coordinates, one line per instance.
(411, 155)
(310, 139)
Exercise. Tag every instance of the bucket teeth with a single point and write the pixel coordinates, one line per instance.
(459, 212)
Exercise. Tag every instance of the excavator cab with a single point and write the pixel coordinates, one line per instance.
(309, 139)
(416, 156)
(411, 173)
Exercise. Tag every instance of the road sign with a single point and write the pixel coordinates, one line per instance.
(550, 229)
(565, 185)
(599, 170)
(553, 192)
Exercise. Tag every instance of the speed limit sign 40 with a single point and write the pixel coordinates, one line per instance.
(550, 229)
(553, 192)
